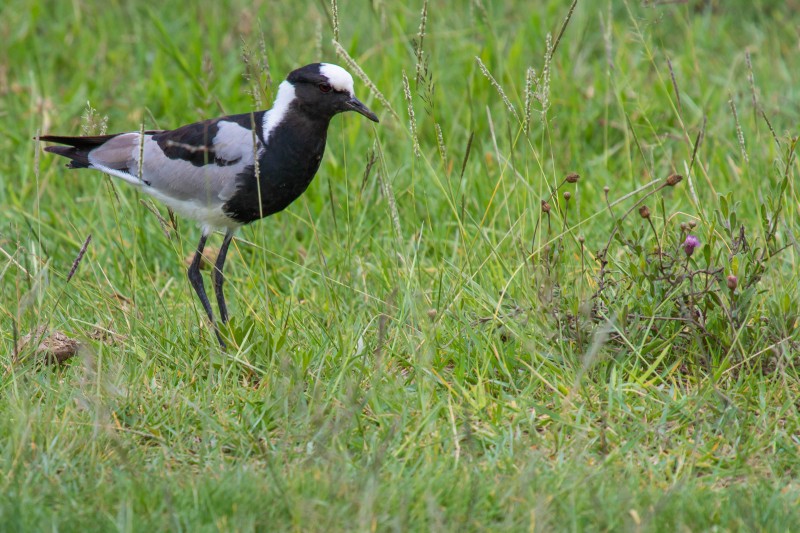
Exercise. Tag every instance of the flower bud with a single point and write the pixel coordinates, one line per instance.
(573, 177)
(690, 244)
(644, 212)
(674, 179)
(732, 282)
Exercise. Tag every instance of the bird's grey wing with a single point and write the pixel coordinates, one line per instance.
(201, 161)
(195, 170)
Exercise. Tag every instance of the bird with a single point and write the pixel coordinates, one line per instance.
(230, 171)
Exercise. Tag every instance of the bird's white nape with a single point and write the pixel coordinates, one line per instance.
(339, 78)
(283, 101)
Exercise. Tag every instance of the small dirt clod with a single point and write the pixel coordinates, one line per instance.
(54, 346)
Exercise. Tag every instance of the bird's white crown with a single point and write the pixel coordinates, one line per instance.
(339, 78)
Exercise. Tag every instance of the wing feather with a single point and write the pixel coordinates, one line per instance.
(197, 166)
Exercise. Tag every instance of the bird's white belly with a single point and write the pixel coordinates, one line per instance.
(208, 215)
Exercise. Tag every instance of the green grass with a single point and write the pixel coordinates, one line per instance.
(417, 347)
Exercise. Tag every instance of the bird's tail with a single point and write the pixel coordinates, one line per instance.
(77, 148)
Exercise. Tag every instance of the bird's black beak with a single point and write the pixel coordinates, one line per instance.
(355, 105)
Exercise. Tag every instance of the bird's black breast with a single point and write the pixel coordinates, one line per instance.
(290, 160)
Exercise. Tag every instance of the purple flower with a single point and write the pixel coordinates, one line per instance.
(690, 244)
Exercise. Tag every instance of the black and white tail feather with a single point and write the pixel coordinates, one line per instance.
(229, 171)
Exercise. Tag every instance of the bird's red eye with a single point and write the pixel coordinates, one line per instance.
(325, 87)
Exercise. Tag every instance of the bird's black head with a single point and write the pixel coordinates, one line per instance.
(323, 90)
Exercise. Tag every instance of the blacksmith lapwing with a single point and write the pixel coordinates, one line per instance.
(229, 171)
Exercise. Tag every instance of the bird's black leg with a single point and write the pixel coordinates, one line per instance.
(218, 277)
(196, 279)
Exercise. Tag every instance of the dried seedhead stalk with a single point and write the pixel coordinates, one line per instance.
(530, 95)
(440, 144)
(92, 122)
(544, 93)
(335, 19)
(497, 87)
(423, 20)
(411, 117)
(739, 133)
